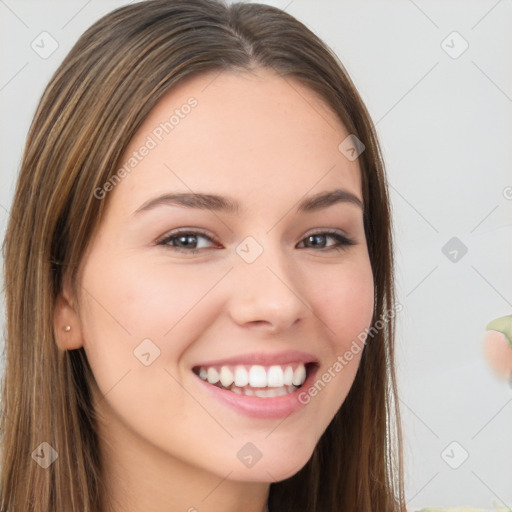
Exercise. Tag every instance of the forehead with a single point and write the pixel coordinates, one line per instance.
(240, 134)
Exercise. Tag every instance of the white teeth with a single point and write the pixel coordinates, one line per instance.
(257, 376)
(241, 377)
(212, 376)
(275, 377)
(299, 375)
(265, 393)
(261, 392)
(270, 393)
(288, 376)
(226, 377)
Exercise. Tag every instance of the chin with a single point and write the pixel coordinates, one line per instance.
(274, 469)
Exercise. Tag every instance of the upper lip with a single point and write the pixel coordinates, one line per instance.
(263, 358)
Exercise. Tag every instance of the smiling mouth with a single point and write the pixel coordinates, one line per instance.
(256, 380)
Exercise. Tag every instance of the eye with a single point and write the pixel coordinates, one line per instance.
(184, 240)
(187, 241)
(342, 242)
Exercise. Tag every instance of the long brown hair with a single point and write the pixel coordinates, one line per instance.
(92, 107)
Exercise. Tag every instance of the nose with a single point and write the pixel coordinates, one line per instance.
(266, 293)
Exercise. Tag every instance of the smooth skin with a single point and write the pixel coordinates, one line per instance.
(268, 142)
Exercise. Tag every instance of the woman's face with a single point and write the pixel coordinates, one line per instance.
(175, 292)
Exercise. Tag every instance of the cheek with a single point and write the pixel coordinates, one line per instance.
(127, 301)
(139, 300)
(130, 309)
(344, 299)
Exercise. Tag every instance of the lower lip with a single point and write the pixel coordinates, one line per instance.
(257, 407)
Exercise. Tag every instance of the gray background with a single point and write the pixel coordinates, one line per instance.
(445, 124)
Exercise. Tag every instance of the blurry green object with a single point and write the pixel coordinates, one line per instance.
(503, 325)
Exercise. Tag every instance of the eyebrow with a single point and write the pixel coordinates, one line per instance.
(219, 203)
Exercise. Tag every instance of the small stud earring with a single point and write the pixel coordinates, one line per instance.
(67, 328)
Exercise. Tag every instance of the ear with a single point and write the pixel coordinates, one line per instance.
(66, 322)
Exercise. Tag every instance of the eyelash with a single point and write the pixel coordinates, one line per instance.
(343, 242)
